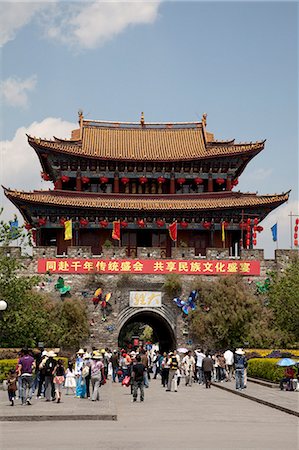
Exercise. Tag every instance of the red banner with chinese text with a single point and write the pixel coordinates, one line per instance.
(149, 266)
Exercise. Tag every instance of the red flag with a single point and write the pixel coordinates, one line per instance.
(116, 230)
(173, 231)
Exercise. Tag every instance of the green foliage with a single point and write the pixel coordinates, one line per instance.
(147, 334)
(33, 316)
(233, 317)
(107, 244)
(265, 368)
(7, 364)
(173, 285)
(284, 300)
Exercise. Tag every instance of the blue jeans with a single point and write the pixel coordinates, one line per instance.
(145, 379)
(27, 382)
(200, 375)
(239, 375)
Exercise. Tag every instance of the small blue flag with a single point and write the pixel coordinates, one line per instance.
(274, 232)
(13, 227)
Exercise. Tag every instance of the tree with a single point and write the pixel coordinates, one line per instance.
(11, 231)
(228, 310)
(284, 300)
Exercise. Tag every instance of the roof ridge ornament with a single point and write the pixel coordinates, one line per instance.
(81, 118)
(204, 119)
(142, 119)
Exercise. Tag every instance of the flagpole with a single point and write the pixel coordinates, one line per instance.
(291, 223)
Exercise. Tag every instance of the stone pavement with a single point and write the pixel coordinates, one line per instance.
(192, 418)
(70, 408)
(283, 400)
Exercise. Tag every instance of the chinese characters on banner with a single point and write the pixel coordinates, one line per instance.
(149, 266)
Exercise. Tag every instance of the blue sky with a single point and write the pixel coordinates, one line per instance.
(236, 61)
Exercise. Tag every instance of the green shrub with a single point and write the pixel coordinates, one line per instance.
(265, 368)
(7, 364)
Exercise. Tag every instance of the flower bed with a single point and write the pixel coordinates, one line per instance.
(265, 368)
(266, 351)
(7, 364)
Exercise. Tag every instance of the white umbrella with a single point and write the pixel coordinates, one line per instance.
(182, 350)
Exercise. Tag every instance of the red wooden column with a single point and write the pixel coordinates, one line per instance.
(116, 183)
(58, 183)
(228, 183)
(172, 185)
(78, 182)
(210, 183)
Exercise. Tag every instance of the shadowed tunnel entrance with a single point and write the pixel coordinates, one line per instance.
(162, 329)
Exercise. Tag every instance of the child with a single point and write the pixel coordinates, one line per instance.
(70, 379)
(12, 386)
(58, 379)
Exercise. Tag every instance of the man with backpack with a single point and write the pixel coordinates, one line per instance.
(174, 363)
(138, 377)
(240, 363)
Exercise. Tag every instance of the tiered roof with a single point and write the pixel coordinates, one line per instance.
(180, 141)
(196, 202)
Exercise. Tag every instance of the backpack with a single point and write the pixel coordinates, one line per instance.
(174, 363)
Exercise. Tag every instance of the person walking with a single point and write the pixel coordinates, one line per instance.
(86, 372)
(188, 365)
(70, 379)
(25, 369)
(229, 363)
(207, 367)
(144, 360)
(174, 363)
(97, 375)
(138, 370)
(199, 358)
(59, 375)
(80, 382)
(42, 374)
(240, 363)
(115, 365)
(12, 386)
(49, 370)
(165, 370)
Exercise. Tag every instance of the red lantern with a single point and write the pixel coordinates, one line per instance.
(83, 222)
(42, 221)
(254, 235)
(248, 228)
(104, 180)
(33, 232)
(248, 221)
(161, 180)
(254, 241)
(296, 229)
(243, 225)
(65, 178)
(56, 184)
(254, 227)
(198, 180)
(255, 221)
(141, 223)
(295, 235)
(85, 180)
(181, 181)
(142, 180)
(62, 221)
(104, 223)
(296, 242)
(160, 223)
(247, 242)
(184, 224)
(220, 181)
(259, 228)
(45, 176)
(28, 226)
(124, 224)
(124, 180)
(207, 225)
(297, 221)
(235, 182)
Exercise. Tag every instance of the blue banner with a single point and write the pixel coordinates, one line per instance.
(274, 232)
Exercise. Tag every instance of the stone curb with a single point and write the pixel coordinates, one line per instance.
(59, 417)
(258, 400)
(263, 383)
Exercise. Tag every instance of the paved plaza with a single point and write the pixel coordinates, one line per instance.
(192, 418)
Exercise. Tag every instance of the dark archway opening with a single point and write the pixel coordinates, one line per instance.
(162, 331)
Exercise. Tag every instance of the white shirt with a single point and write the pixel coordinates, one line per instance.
(229, 357)
(199, 357)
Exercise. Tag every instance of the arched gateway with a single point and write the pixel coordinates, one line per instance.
(160, 319)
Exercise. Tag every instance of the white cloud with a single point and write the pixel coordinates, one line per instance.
(78, 24)
(20, 167)
(14, 91)
(14, 16)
